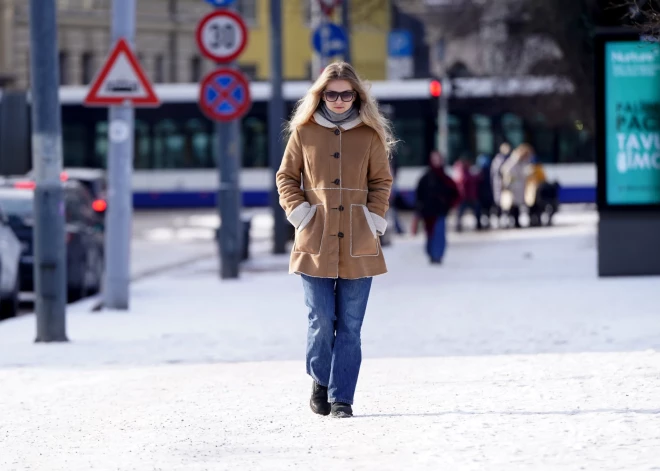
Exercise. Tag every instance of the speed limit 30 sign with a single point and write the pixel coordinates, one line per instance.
(222, 36)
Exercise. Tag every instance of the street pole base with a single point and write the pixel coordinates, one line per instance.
(58, 339)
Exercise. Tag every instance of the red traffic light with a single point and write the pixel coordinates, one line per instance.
(435, 87)
(99, 206)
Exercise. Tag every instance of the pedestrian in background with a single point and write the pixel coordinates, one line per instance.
(496, 175)
(436, 195)
(334, 184)
(514, 178)
(467, 177)
(485, 189)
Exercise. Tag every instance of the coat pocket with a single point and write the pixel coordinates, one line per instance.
(364, 240)
(310, 236)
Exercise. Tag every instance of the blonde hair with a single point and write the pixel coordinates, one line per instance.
(524, 150)
(369, 112)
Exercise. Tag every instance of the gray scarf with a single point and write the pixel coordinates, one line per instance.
(338, 118)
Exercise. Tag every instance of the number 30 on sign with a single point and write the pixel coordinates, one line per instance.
(222, 36)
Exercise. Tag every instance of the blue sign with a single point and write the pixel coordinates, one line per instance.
(400, 43)
(221, 3)
(330, 40)
(225, 95)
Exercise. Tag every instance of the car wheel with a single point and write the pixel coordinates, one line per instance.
(9, 306)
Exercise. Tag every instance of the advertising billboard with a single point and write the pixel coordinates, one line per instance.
(629, 124)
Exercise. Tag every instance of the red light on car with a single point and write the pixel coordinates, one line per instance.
(99, 206)
(435, 87)
(26, 185)
(64, 176)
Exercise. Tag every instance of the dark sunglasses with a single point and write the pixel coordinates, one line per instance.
(346, 96)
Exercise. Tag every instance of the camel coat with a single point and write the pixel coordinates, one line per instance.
(334, 185)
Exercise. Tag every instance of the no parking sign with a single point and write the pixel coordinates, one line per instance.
(224, 95)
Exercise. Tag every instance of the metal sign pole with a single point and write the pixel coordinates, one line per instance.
(346, 24)
(49, 246)
(317, 19)
(120, 170)
(224, 96)
(229, 204)
(275, 121)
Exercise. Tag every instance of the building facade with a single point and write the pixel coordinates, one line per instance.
(165, 39)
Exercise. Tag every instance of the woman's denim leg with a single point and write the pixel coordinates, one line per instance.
(352, 297)
(320, 300)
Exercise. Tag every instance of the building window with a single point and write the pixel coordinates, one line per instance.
(195, 69)
(87, 68)
(159, 69)
(64, 67)
(248, 10)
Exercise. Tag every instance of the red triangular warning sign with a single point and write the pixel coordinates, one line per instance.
(121, 81)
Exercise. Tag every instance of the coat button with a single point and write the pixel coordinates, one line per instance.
(336, 182)
(341, 208)
(336, 155)
(340, 235)
(336, 132)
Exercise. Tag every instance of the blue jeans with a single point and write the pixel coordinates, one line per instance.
(334, 349)
(436, 241)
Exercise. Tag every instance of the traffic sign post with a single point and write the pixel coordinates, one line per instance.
(224, 97)
(49, 246)
(399, 55)
(121, 81)
(328, 6)
(122, 85)
(222, 36)
(329, 39)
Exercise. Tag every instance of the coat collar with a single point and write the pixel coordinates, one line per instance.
(320, 120)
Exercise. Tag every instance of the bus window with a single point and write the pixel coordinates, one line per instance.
(255, 142)
(543, 141)
(168, 145)
(101, 145)
(198, 140)
(75, 145)
(483, 134)
(142, 145)
(411, 135)
(456, 143)
(512, 127)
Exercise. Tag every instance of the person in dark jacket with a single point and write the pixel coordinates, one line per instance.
(467, 180)
(436, 195)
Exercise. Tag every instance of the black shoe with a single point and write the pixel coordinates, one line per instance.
(319, 400)
(341, 410)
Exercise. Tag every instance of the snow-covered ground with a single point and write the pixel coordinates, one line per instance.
(512, 355)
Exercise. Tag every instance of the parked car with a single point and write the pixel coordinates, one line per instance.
(10, 253)
(94, 180)
(84, 235)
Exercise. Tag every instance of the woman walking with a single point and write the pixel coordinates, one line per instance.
(334, 185)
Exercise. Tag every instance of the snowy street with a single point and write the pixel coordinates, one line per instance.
(512, 355)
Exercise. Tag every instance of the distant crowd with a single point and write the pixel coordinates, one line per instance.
(496, 191)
